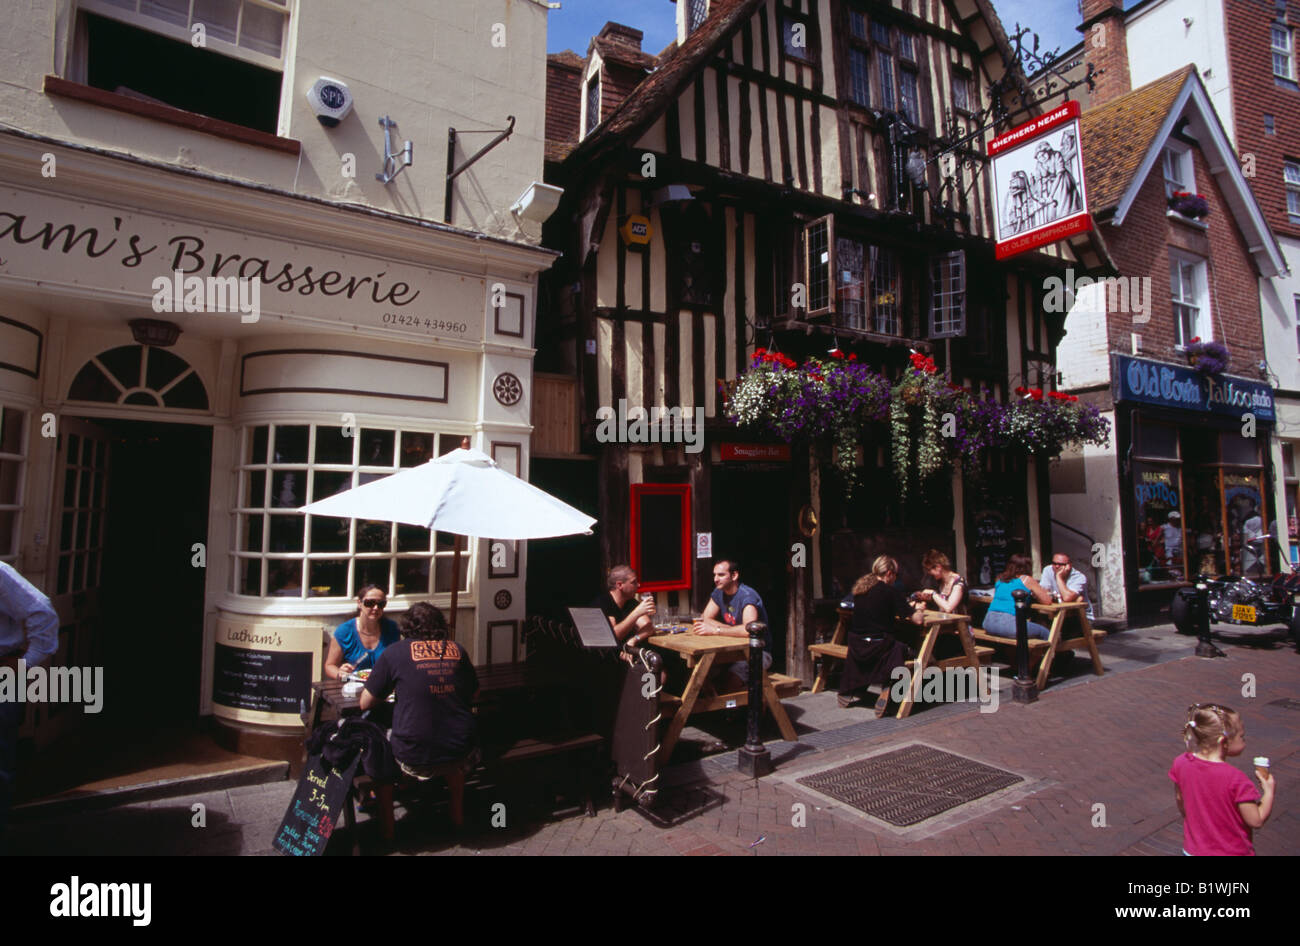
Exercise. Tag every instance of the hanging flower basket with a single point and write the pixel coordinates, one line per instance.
(1210, 358)
(1044, 425)
(1189, 205)
(933, 423)
(833, 398)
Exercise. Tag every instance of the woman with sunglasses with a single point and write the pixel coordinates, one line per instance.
(358, 643)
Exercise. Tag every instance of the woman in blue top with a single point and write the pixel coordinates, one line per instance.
(358, 643)
(1001, 619)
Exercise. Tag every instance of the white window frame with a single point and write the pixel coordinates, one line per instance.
(150, 24)
(1295, 300)
(1178, 170)
(20, 458)
(245, 507)
(1285, 51)
(1202, 323)
(588, 125)
(1291, 180)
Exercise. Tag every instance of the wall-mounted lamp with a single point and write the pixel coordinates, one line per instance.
(391, 166)
(154, 332)
(537, 202)
(668, 194)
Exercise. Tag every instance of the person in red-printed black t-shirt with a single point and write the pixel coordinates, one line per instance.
(1220, 806)
(433, 717)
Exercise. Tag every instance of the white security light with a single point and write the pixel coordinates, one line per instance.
(537, 202)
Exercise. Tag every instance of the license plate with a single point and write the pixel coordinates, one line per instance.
(1243, 612)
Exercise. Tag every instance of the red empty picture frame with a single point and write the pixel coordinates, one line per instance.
(661, 536)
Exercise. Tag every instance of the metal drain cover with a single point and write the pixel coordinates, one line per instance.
(908, 785)
(1286, 704)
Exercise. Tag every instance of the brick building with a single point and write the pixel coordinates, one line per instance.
(1188, 475)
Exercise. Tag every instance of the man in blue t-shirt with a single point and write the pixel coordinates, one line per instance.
(731, 608)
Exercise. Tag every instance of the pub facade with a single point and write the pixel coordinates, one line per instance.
(226, 297)
(753, 191)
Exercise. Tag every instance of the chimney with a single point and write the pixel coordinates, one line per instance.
(1105, 47)
(624, 36)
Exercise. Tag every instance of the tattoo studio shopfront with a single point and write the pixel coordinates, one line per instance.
(1195, 477)
(151, 472)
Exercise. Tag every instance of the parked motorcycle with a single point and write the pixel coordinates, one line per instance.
(1240, 601)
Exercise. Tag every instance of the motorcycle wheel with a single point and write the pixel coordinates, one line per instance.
(1182, 611)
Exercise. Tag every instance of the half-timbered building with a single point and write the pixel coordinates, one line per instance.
(799, 175)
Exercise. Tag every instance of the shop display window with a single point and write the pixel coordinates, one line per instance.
(1199, 505)
(282, 553)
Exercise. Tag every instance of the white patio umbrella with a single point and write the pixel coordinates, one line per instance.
(463, 492)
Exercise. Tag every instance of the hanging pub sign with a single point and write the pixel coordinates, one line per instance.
(1185, 388)
(636, 232)
(1038, 189)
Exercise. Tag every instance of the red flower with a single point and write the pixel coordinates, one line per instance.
(1195, 339)
(836, 353)
(1022, 391)
(852, 357)
(760, 351)
(816, 377)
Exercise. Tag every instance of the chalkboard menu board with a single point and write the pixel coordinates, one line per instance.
(990, 548)
(314, 809)
(267, 681)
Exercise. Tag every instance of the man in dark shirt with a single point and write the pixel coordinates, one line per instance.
(731, 608)
(433, 719)
(627, 614)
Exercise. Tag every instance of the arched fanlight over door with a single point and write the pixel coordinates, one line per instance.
(139, 375)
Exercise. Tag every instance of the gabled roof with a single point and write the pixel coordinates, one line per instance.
(677, 66)
(1124, 139)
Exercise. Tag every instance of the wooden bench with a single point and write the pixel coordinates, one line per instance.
(521, 750)
(836, 649)
(1043, 652)
(784, 687)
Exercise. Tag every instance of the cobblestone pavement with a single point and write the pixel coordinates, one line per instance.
(1093, 753)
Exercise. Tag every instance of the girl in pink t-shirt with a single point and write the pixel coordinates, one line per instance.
(1220, 806)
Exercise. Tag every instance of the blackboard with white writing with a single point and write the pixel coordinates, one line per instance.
(269, 681)
(315, 808)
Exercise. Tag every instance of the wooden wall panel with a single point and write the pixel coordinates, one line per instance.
(604, 357)
(634, 348)
(607, 264)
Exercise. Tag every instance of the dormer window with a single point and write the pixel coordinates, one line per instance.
(697, 11)
(593, 104)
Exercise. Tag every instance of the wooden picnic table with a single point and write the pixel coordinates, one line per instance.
(493, 682)
(703, 653)
(1055, 643)
(935, 623)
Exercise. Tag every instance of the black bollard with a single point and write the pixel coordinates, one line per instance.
(1023, 688)
(1204, 646)
(754, 759)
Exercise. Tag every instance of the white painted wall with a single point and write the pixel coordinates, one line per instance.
(429, 66)
(1159, 42)
(1082, 356)
(1278, 309)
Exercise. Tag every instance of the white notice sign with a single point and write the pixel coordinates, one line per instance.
(703, 544)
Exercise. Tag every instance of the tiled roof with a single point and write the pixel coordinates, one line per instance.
(1118, 135)
(676, 68)
(622, 53)
(557, 151)
(568, 58)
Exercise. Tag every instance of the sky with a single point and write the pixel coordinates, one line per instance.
(573, 25)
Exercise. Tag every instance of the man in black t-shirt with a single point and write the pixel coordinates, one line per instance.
(627, 614)
(433, 719)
